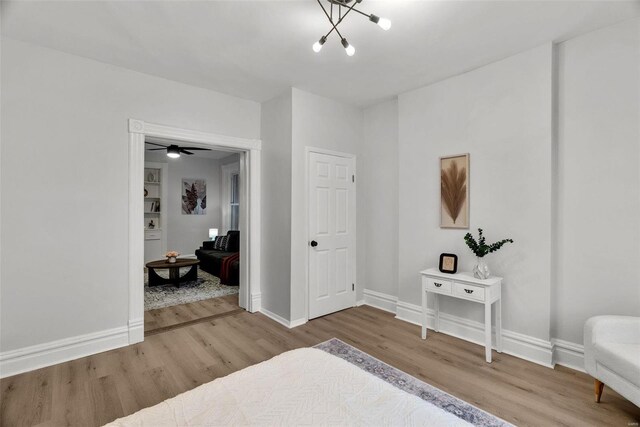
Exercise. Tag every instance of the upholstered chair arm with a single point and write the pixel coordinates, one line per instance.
(618, 329)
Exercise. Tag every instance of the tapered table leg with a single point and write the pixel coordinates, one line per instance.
(487, 330)
(424, 314)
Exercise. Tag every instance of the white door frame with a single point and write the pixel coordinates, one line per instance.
(307, 151)
(249, 216)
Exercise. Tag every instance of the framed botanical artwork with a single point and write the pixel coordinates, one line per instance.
(194, 197)
(454, 191)
(448, 263)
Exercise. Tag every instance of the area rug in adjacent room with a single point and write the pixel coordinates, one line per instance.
(410, 384)
(207, 286)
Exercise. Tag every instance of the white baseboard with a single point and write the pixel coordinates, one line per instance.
(136, 330)
(26, 359)
(516, 344)
(379, 300)
(359, 303)
(271, 315)
(296, 323)
(568, 354)
(256, 302)
(282, 320)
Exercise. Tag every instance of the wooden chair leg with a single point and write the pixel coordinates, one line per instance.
(598, 386)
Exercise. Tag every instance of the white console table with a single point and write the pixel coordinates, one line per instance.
(464, 286)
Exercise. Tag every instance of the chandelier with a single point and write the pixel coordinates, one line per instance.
(336, 18)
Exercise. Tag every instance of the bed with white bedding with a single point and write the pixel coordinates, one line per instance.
(304, 387)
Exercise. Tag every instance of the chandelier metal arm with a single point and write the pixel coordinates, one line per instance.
(331, 20)
(361, 13)
(325, 11)
(335, 26)
(384, 23)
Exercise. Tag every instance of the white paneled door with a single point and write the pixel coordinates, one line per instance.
(332, 233)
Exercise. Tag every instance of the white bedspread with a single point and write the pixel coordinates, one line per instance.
(304, 387)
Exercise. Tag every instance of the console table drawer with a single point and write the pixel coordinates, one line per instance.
(468, 291)
(439, 286)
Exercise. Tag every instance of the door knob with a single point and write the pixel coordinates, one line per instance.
(313, 243)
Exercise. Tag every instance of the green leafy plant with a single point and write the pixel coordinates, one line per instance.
(480, 247)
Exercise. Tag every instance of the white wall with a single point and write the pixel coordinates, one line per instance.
(65, 184)
(378, 200)
(275, 283)
(322, 123)
(599, 179)
(501, 115)
(561, 179)
(185, 233)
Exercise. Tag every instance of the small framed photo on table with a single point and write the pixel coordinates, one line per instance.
(448, 263)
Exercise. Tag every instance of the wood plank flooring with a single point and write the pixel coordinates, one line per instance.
(100, 388)
(164, 319)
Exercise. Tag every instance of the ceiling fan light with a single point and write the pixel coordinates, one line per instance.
(317, 46)
(348, 48)
(173, 152)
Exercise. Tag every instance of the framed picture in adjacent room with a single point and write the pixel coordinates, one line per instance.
(194, 197)
(454, 191)
(448, 263)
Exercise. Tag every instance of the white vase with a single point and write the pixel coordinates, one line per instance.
(172, 260)
(481, 270)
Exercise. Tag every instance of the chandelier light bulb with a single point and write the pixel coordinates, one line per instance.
(317, 46)
(384, 23)
(348, 48)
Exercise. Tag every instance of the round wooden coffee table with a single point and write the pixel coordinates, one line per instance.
(174, 271)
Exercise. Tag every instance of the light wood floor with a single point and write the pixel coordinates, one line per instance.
(99, 388)
(164, 319)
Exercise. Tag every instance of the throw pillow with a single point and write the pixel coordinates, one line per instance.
(223, 243)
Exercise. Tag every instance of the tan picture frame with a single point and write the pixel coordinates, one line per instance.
(454, 191)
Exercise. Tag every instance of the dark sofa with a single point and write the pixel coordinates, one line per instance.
(211, 258)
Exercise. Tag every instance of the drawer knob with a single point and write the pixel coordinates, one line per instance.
(437, 285)
(469, 291)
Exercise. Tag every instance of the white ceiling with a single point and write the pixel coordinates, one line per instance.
(257, 49)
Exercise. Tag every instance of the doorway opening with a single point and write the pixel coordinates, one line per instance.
(181, 211)
(191, 234)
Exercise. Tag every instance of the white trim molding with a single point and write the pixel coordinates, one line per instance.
(256, 302)
(568, 354)
(284, 322)
(536, 350)
(297, 322)
(136, 330)
(271, 315)
(379, 300)
(26, 359)
(249, 150)
(176, 134)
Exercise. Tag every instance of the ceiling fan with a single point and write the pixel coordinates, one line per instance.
(173, 150)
